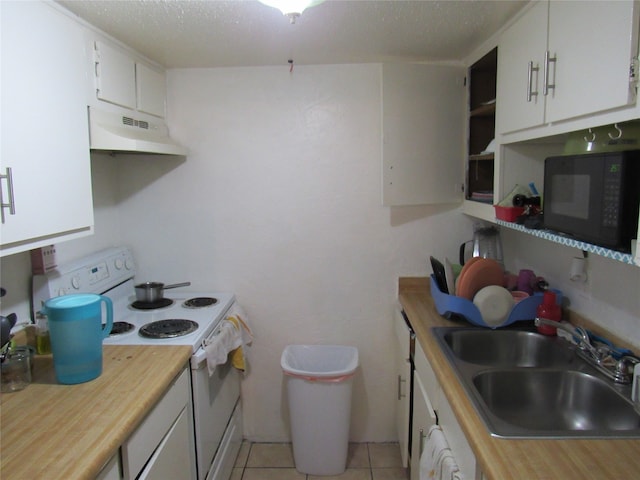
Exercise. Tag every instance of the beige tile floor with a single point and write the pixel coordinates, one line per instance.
(274, 461)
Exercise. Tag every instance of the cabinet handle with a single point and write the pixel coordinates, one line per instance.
(11, 204)
(400, 382)
(422, 437)
(530, 70)
(547, 60)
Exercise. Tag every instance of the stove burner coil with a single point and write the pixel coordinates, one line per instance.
(121, 327)
(163, 302)
(170, 328)
(199, 302)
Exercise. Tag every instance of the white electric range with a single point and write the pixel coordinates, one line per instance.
(111, 273)
(182, 317)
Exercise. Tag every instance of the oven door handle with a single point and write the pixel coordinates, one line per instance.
(199, 358)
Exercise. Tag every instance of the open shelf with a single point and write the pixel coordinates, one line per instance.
(482, 156)
(570, 242)
(484, 111)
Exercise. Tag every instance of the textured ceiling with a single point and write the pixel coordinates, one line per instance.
(212, 33)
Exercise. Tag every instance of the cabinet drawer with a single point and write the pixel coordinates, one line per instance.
(144, 440)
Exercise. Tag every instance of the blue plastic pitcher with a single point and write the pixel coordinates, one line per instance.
(76, 331)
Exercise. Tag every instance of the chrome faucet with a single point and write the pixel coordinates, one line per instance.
(578, 333)
(620, 372)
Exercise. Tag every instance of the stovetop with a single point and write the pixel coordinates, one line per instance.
(206, 317)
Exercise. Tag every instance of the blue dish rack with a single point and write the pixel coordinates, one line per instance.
(450, 305)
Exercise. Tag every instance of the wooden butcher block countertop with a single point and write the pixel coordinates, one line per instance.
(501, 458)
(66, 432)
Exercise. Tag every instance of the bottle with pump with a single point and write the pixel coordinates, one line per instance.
(550, 310)
(43, 342)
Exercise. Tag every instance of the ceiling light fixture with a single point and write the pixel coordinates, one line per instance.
(292, 8)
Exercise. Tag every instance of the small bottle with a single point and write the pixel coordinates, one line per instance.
(550, 310)
(43, 341)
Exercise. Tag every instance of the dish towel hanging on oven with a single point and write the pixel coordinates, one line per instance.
(437, 461)
(229, 343)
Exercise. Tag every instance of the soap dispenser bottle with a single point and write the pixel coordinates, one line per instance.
(43, 341)
(550, 310)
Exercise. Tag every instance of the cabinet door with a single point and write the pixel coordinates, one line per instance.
(403, 378)
(422, 121)
(111, 471)
(45, 139)
(455, 437)
(172, 458)
(151, 90)
(424, 417)
(520, 103)
(594, 43)
(115, 76)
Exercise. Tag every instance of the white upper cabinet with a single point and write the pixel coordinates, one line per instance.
(151, 90)
(46, 170)
(422, 121)
(120, 79)
(565, 60)
(115, 75)
(520, 56)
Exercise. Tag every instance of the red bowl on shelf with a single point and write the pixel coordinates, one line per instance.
(508, 214)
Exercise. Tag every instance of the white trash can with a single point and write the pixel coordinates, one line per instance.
(319, 384)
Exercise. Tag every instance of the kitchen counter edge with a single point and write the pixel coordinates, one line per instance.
(501, 458)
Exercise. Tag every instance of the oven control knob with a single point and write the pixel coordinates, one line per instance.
(128, 264)
(61, 292)
(75, 282)
(119, 264)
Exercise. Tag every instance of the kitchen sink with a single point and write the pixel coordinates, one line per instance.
(527, 385)
(555, 401)
(507, 348)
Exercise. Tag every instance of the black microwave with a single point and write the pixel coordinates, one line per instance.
(594, 197)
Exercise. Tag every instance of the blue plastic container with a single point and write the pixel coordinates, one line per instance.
(75, 327)
(448, 305)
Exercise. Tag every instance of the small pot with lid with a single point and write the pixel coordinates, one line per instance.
(151, 292)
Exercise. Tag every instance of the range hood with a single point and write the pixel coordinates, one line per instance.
(119, 132)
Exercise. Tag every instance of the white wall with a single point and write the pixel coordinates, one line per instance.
(279, 202)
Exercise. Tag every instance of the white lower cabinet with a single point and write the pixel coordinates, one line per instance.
(431, 407)
(171, 459)
(424, 417)
(403, 376)
(162, 445)
(111, 471)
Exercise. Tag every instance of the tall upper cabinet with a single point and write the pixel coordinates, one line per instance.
(45, 173)
(422, 123)
(564, 60)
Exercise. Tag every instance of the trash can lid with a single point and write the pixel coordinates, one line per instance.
(319, 360)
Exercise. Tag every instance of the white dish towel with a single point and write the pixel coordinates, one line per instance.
(437, 461)
(233, 333)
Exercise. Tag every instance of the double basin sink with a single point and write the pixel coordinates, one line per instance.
(527, 385)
